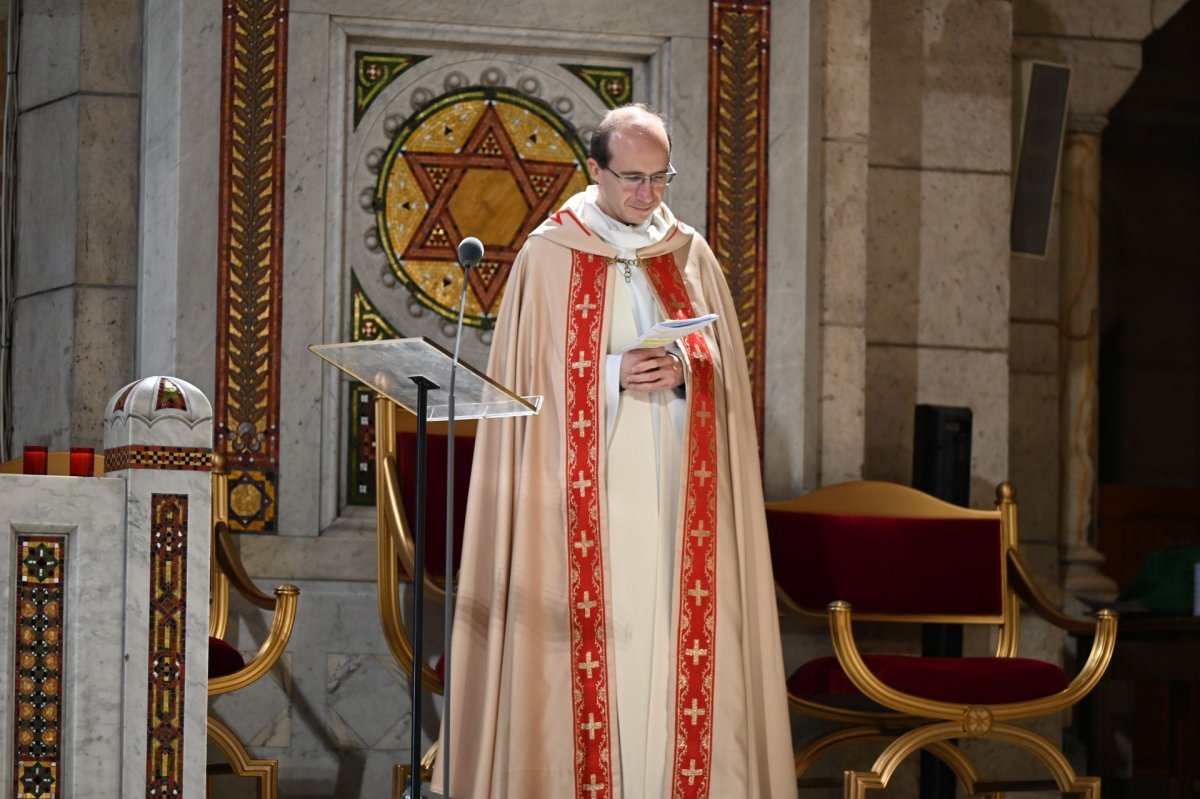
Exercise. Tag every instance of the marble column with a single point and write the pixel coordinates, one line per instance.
(845, 128)
(1079, 353)
(74, 316)
(158, 438)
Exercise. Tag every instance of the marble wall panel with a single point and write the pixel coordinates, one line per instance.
(790, 424)
(1033, 347)
(43, 369)
(345, 551)
(106, 236)
(194, 205)
(845, 173)
(845, 70)
(1033, 282)
(307, 205)
(941, 84)
(47, 191)
(899, 378)
(103, 356)
(686, 108)
(110, 46)
(158, 298)
(939, 258)
(668, 18)
(49, 57)
(843, 403)
(338, 715)
(1033, 453)
(90, 513)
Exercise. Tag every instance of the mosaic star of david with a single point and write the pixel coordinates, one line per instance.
(452, 182)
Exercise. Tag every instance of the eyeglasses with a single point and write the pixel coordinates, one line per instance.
(635, 180)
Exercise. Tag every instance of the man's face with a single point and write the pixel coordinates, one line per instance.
(636, 150)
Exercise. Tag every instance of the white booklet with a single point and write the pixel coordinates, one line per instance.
(670, 330)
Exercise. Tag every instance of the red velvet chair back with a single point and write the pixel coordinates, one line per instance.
(884, 565)
(948, 563)
(435, 491)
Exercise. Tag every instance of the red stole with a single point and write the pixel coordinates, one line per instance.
(697, 621)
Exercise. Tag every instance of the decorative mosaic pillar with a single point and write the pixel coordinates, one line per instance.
(250, 256)
(738, 98)
(157, 436)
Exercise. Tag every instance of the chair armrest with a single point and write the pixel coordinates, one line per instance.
(286, 598)
(851, 661)
(795, 611)
(1026, 587)
(231, 565)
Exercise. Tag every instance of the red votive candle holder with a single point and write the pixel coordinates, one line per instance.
(83, 462)
(34, 460)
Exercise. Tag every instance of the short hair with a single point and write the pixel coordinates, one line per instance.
(598, 148)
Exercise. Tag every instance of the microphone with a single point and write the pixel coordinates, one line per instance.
(470, 252)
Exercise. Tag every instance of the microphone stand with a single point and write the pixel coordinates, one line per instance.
(449, 607)
(470, 251)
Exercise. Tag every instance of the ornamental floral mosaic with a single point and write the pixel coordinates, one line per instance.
(250, 252)
(168, 622)
(41, 589)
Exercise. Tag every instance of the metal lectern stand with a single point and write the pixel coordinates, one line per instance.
(424, 379)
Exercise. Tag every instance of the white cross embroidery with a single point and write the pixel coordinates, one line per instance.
(593, 787)
(589, 665)
(697, 593)
(582, 424)
(583, 545)
(693, 712)
(588, 603)
(581, 364)
(592, 725)
(586, 306)
(695, 653)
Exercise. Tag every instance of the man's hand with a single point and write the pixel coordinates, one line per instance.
(652, 369)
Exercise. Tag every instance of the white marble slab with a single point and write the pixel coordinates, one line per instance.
(90, 514)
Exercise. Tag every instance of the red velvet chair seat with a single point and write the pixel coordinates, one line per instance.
(223, 659)
(974, 681)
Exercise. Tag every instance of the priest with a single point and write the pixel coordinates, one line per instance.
(616, 632)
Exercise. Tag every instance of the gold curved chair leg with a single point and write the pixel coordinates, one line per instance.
(810, 753)
(933, 737)
(1038, 746)
(962, 767)
(265, 771)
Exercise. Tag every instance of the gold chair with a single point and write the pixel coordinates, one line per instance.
(228, 671)
(881, 552)
(395, 440)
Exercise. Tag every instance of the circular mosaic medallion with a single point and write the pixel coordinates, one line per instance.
(486, 162)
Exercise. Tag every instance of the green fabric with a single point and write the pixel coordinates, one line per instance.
(1166, 581)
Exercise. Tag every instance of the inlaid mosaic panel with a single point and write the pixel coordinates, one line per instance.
(737, 167)
(41, 591)
(250, 251)
(168, 623)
